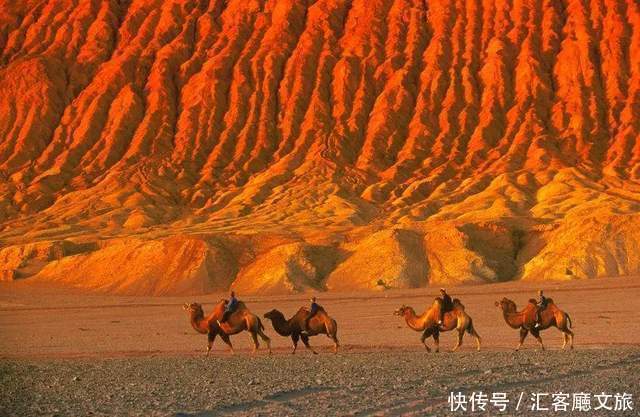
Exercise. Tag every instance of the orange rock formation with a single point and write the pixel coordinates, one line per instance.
(179, 146)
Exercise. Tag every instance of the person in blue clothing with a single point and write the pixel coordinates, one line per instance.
(232, 306)
(542, 304)
(313, 310)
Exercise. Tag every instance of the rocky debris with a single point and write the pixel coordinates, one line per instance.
(385, 383)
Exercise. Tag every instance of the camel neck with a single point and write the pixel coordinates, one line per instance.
(199, 323)
(413, 320)
(512, 318)
(280, 325)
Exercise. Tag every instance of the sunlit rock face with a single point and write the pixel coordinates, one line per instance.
(466, 141)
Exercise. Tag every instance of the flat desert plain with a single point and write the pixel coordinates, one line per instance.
(69, 353)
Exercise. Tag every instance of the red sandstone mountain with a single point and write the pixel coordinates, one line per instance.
(159, 147)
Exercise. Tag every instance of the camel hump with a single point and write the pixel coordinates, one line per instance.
(533, 301)
(239, 305)
(303, 312)
(458, 304)
(306, 309)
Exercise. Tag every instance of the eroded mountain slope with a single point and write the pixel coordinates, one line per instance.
(504, 131)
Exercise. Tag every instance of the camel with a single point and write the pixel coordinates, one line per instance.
(427, 323)
(525, 320)
(321, 323)
(242, 319)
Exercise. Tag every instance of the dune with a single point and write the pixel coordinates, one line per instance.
(391, 258)
(177, 265)
(585, 248)
(289, 268)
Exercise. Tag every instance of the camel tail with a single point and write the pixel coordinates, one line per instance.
(260, 323)
(470, 329)
(332, 328)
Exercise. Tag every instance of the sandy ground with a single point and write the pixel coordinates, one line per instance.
(67, 353)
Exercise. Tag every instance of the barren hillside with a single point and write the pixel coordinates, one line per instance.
(170, 147)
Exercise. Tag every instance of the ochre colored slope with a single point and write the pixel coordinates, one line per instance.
(466, 141)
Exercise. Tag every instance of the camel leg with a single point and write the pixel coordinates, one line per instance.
(436, 340)
(336, 345)
(210, 338)
(567, 327)
(305, 340)
(256, 344)
(334, 337)
(460, 334)
(227, 341)
(423, 339)
(568, 337)
(472, 331)
(265, 339)
(331, 330)
(536, 334)
(570, 340)
(294, 338)
(523, 334)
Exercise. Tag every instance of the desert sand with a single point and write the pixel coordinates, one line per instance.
(75, 352)
(48, 322)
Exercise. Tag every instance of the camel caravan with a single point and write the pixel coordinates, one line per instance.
(230, 317)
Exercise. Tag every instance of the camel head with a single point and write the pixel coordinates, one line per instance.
(273, 314)
(506, 305)
(194, 309)
(402, 310)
